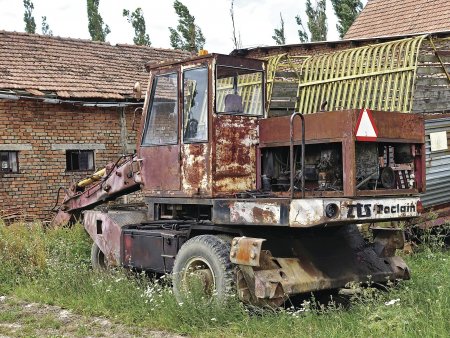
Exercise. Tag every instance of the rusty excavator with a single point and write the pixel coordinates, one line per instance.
(249, 202)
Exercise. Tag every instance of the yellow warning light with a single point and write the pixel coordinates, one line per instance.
(202, 52)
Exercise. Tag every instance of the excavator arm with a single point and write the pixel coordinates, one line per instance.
(116, 179)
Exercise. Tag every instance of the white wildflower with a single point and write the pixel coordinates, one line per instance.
(392, 302)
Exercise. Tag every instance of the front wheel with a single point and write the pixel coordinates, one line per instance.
(203, 261)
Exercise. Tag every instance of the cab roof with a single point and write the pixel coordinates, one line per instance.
(221, 59)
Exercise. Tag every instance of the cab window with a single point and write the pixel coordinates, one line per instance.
(162, 115)
(195, 101)
(239, 91)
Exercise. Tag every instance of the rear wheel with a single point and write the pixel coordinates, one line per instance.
(203, 263)
(98, 258)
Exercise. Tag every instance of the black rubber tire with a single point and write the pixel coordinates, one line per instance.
(98, 259)
(213, 250)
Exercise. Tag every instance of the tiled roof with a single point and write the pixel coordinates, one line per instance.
(400, 17)
(74, 68)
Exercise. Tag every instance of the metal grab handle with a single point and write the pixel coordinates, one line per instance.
(291, 153)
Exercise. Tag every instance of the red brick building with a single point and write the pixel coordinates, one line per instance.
(66, 109)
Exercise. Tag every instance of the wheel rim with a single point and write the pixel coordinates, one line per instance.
(198, 271)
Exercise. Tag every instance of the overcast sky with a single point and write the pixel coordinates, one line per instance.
(255, 20)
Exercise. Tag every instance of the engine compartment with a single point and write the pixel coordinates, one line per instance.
(378, 166)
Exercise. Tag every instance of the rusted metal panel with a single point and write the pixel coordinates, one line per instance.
(339, 125)
(195, 169)
(105, 229)
(251, 213)
(160, 168)
(246, 250)
(313, 212)
(233, 61)
(147, 248)
(299, 262)
(234, 153)
(349, 165)
(118, 179)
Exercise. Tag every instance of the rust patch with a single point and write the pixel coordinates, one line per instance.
(195, 172)
(246, 250)
(264, 216)
(235, 139)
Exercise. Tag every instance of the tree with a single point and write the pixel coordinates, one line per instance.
(317, 20)
(45, 27)
(28, 18)
(95, 26)
(279, 37)
(302, 35)
(188, 36)
(236, 42)
(137, 20)
(346, 12)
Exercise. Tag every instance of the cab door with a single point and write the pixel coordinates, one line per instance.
(160, 146)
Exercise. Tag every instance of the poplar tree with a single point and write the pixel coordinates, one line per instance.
(137, 20)
(279, 37)
(317, 20)
(97, 30)
(187, 36)
(237, 42)
(45, 27)
(302, 35)
(346, 12)
(28, 18)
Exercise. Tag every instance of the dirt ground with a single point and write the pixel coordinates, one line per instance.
(22, 319)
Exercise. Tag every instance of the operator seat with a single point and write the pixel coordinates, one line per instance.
(233, 104)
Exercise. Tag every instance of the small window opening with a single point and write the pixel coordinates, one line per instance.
(79, 160)
(9, 162)
(99, 227)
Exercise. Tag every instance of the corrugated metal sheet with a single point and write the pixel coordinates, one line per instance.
(437, 165)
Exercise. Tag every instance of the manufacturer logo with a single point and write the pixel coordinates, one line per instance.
(360, 210)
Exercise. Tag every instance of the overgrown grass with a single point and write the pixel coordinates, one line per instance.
(52, 266)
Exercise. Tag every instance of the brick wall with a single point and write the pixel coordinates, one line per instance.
(42, 131)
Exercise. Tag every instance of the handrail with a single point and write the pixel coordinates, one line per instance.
(291, 153)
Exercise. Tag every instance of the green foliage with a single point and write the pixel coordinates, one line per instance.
(28, 18)
(28, 251)
(137, 20)
(188, 36)
(346, 12)
(279, 36)
(52, 266)
(317, 20)
(303, 36)
(45, 27)
(22, 253)
(97, 30)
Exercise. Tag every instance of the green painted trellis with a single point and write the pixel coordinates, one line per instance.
(379, 77)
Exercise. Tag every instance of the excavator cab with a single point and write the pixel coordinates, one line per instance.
(198, 114)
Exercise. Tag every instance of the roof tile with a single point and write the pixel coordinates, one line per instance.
(400, 17)
(75, 68)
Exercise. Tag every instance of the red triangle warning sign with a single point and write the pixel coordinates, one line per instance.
(365, 127)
